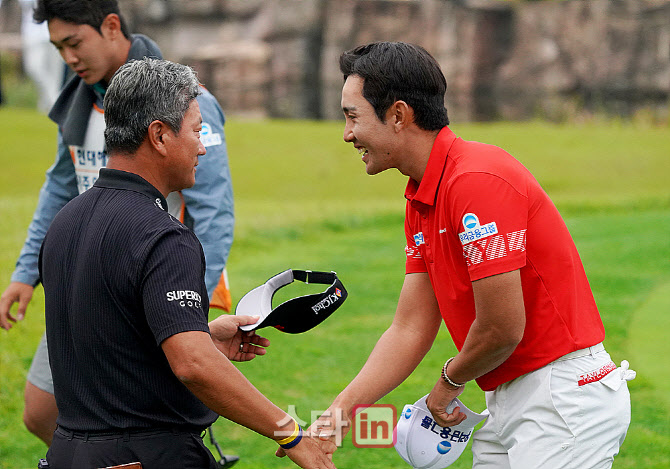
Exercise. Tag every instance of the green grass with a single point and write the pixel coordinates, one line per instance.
(17, 89)
(647, 339)
(303, 200)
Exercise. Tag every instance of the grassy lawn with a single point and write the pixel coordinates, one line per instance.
(303, 200)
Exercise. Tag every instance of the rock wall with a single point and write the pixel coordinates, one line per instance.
(610, 56)
(502, 60)
(467, 40)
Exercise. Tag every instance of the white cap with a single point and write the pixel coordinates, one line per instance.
(423, 444)
(297, 314)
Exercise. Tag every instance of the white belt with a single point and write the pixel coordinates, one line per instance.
(583, 352)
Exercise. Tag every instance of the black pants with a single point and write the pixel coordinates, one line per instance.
(157, 449)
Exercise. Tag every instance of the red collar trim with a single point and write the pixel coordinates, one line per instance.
(426, 191)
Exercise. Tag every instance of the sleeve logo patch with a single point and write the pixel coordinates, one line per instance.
(185, 298)
(412, 252)
(494, 247)
(418, 239)
(208, 138)
(474, 231)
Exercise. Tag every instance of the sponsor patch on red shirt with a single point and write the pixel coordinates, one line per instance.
(596, 375)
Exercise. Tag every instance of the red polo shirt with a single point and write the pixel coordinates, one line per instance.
(478, 212)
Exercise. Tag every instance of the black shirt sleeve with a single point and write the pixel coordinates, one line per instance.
(173, 287)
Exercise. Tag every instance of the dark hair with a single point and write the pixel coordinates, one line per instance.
(90, 12)
(395, 71)
(142, 91)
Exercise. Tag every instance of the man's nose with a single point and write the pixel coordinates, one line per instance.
(68, 56)
(348, 134)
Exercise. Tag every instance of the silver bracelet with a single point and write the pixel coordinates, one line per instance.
(446, 378)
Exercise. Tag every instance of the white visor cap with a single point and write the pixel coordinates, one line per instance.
(423, 444)
(297, 314)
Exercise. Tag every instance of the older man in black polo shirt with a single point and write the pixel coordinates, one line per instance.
(137, 376)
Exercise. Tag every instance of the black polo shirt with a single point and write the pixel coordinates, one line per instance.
(121, 275)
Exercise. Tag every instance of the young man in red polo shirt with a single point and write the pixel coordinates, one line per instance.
(489, 254)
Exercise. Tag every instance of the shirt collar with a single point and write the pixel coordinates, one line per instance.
(426, 191)
(99, 90)
(117, 179)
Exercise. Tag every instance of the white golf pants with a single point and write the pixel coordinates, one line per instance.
(570, 414)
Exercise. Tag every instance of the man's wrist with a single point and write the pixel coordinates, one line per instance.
(342, 405)
(446, 378)
(293, 439)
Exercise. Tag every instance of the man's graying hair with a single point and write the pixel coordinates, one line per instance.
(143, 91)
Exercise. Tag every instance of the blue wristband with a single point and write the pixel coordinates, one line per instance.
(293, 442)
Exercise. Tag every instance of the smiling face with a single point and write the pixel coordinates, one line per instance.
(373, 138)
(183, 149)
(92, 55)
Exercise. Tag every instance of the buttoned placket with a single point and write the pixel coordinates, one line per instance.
(424, 212)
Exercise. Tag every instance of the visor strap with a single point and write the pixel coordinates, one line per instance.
(310, 276)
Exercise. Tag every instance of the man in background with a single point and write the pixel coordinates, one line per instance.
(94, 42)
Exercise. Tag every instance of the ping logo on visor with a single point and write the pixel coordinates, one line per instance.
(295, 315)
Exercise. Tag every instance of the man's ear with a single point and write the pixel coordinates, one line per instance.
(111, 26)
(157, 134)
(400, 115)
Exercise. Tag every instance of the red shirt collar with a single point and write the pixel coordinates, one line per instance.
(425, 191)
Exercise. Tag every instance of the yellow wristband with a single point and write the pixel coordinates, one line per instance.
(293, 436)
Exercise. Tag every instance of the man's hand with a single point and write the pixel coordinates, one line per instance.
(333, 426)
(311, 452)
(234, 343)
(438, 400)
(16, 292)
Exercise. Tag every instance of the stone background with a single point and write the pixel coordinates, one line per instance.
(502, 59)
